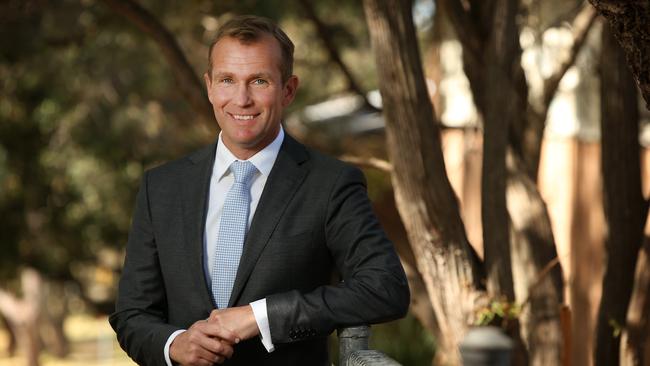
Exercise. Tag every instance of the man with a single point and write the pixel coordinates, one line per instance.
(231, 249)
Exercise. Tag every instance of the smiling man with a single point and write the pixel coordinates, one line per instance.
(232, 249)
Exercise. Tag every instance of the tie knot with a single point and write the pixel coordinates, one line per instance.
(243, 171)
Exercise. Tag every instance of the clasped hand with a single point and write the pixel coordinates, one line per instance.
(211, 340)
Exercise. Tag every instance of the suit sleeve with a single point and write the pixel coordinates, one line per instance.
(140, 315)
(373, 287)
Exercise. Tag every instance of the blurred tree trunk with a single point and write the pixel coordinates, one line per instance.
(424, 197)
(491, 57)
(11, 334)
(630, 23)
(498, 115)
(636, 334)
(24, 314)
(625, 209)
(536, 272)
(54, 315)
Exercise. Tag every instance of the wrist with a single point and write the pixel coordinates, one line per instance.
(169, 352)
(250, 324)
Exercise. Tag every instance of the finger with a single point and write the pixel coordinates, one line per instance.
(200, 356)
(198, 325)
(226, 349)
(217, 347)
(203, 362)
(206, 357)
(214, 329)
(202, 345)
(213, 314)
(219, 360)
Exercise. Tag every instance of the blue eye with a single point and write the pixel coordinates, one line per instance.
(226, 81)
(259, 82)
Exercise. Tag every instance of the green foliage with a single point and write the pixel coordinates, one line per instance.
(88, 102)
(404, 340)
(617, 327)
(81, 116)
(497, 312)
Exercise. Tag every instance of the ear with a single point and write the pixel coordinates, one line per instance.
(290, 88)
(208, 85)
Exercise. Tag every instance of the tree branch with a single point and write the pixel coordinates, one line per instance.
(565, 17)
(382, 165)
(328, 43)
(582, 23)
(466, 30)
(189, 84)
(538, 280)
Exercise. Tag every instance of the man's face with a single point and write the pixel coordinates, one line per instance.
(247, 93)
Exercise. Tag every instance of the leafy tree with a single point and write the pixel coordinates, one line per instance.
(92, 93)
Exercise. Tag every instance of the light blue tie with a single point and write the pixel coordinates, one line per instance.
(232, 232)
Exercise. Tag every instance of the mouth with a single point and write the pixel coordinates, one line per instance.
(243, 117)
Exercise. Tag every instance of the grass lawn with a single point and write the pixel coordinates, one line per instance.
(92, 342)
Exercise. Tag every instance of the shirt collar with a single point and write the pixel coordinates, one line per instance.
(263, 159)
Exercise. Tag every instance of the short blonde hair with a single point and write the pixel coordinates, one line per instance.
(250, 28)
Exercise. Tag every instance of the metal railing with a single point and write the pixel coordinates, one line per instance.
(482, 346)
(353, 349)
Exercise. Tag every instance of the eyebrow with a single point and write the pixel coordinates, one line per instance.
(261, 75)
(258, 75)
(222, 74)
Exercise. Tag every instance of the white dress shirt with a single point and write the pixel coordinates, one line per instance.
(220, 183)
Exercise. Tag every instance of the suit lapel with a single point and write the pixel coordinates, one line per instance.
(195, 193)
(285, 178)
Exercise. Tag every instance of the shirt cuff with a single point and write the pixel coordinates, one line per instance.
(262, 319)
(169, 343)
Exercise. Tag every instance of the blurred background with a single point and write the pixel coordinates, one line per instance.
(94, 92)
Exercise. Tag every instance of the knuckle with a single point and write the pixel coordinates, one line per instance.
(228, 352)
(194, 350)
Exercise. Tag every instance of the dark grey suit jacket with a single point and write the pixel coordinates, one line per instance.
(313, 218)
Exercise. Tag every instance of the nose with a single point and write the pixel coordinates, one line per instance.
(242, 96)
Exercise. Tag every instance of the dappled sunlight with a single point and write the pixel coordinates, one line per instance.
(89, 101)
(92, 342)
